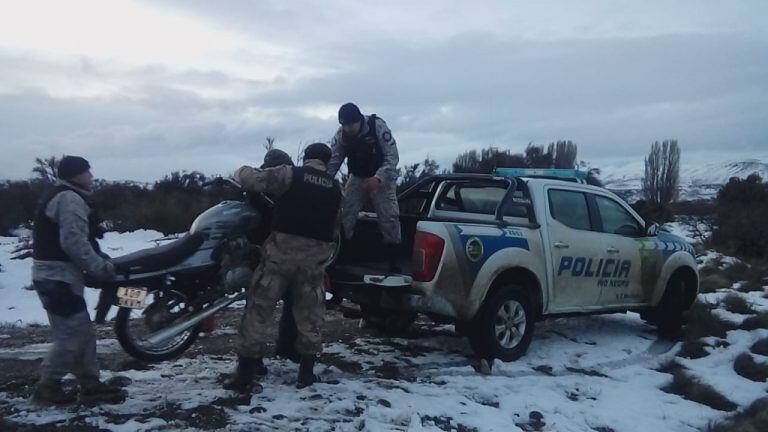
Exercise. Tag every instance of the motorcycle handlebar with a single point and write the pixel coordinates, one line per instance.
(222, 181)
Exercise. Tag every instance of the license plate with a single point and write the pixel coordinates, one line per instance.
(132, 298)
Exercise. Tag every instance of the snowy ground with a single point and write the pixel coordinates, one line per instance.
(581, 374)
(19, 305)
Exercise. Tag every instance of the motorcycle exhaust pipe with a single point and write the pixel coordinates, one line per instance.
(165, 334)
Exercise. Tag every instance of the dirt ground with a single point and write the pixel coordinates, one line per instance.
(20, 374)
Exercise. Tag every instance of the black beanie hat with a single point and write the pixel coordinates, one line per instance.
(71, 166)
(349, 113)
(318, 151)
(276, 157)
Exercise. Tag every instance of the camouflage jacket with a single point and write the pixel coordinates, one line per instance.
(388, 170)
(282, 247)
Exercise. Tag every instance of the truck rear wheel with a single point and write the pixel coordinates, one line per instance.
(503, 327)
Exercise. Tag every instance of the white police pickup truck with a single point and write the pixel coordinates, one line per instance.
(494, 254)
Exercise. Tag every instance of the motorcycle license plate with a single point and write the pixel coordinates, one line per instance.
(132, 298)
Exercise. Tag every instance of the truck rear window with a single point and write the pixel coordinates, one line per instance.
(478, 198)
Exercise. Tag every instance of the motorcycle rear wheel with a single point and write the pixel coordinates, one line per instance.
(164, 308)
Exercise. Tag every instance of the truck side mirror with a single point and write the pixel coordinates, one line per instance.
(652, 230)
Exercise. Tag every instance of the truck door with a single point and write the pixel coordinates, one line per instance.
(575, 247)
(621, 274)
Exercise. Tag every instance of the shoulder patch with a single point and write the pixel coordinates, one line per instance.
(386, 136)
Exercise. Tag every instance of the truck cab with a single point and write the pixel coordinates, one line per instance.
(496, 253)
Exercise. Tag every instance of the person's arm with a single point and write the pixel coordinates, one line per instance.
(274, 181)
(388, 170)
(338, 154)
(71, 213)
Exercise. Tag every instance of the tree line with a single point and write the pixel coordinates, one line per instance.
(169, 205)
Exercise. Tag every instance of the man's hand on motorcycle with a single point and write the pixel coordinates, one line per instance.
(371, 184)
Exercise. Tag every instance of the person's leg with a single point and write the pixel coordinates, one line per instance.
(353, 201)
(309, 310)
(66, 312)
(268, 285)
(385, 204)
(286, 337)
(92, 389)
(107, 297)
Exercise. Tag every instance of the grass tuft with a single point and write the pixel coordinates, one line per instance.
(688, 387)
(759, 321)
(760, 347)
(746, 366)
(752, 419)
(736, 303)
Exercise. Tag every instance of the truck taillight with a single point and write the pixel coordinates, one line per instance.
(427, 252)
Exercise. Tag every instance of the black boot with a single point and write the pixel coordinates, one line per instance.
(307, 375)
(243, 379)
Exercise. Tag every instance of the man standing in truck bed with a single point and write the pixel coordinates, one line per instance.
(371, 153)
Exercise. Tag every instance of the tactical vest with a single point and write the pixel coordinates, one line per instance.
(364, 155)
(310, 207)
(45, 236)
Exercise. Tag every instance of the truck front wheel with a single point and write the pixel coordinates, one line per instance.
(668, 314)
(503, 327)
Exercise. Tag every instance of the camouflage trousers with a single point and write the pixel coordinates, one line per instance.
(384, 200)
(303, 280)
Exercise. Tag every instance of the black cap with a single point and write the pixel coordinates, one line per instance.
(276, 157)
(71, 166)
(349, 113)
(318, 151)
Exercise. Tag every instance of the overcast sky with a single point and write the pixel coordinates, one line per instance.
(142, 88)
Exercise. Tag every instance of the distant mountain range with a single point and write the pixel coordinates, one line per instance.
(696, 182)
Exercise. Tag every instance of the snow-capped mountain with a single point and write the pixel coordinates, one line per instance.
(696, 181)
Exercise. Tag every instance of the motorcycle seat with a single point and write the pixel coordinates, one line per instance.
(160, 257)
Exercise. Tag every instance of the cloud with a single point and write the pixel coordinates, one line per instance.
(447, 77)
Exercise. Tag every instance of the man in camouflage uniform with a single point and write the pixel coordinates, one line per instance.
(305, 218)
(286, 330)
(65, 249)
(371, 153)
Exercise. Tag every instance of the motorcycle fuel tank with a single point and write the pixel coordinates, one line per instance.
(225, 219)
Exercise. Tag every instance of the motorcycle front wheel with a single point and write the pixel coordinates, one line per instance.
(163, 309)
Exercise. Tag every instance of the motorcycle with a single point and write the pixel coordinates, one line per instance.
(164, 293)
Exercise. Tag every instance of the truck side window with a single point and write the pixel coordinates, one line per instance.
(569, 208)
(616, 219)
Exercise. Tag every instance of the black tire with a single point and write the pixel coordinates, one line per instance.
(390, 323)
(137, 351)
(462, 328)
(668, 314)
(484, 338)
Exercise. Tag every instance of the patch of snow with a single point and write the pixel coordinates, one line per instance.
(711, 257)
(38, 351)
(19, 306)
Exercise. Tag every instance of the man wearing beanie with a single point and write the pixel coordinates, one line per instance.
(307, 201)
(371, 153)
(65, 250)
(286, 329)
